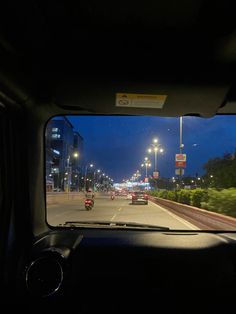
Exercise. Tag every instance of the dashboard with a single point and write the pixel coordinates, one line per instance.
(115, 270)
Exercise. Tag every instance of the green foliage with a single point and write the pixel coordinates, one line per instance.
(172, 195)
(163, 194)
(221, 172)
(218, 200)
(153, 193)
(198, 196)
(169, 195)
(184, 196)
(223, 201)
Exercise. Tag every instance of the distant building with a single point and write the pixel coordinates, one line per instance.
(61, 144)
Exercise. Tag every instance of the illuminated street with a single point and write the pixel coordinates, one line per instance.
(120, 209)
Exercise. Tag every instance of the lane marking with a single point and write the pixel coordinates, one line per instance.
(188, 224)
(113, 217)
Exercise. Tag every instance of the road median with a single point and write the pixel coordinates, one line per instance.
(201, 218)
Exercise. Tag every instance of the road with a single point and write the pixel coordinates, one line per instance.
(119, 209)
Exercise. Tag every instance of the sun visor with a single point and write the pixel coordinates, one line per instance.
(176, 100)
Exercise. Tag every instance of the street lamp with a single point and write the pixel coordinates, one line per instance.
(156, 147)
(96, 177)
(146, 164)
(85, 174)
(75, 155)
(56, 177)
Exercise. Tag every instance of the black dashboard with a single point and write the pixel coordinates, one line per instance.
(115, 270)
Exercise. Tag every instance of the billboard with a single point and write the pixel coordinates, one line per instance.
(180, 157)
(179, 171)
(180, 160)
(180, 164)
(156, 174)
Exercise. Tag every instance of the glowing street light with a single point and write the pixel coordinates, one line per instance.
(74, 155)
(156, 147)
(146, 164)
(85, 174)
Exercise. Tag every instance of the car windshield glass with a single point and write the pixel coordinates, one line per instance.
(177, 173)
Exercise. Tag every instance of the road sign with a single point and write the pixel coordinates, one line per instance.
(156, 174)
(180, 157)
(180, 164)
(179, 171)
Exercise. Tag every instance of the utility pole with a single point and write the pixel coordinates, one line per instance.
(156, 149)
(69, 176)
(180, 134)
(180, 145)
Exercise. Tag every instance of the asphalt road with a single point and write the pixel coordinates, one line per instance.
(119, 209)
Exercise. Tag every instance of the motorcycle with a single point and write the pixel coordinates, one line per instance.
(88, 203)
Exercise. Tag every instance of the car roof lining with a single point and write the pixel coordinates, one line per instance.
(74, 57)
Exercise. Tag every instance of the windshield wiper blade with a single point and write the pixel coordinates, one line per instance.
(122, 224)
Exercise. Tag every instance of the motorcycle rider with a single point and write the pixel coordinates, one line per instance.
(113, 195)
(89, 195)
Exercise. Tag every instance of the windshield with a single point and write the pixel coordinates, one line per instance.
(176, 173)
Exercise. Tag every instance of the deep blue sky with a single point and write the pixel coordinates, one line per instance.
(118, 144)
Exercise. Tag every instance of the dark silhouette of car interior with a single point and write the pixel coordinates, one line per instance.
(64, 58)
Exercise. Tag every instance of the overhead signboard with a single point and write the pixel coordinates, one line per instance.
(179, 171)
(180, 164)
(180, 157)
(155, 174)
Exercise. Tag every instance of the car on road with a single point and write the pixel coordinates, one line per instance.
(139, 197)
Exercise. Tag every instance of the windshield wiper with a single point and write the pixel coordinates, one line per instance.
(122, 224)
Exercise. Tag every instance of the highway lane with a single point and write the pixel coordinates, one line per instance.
(119, 209)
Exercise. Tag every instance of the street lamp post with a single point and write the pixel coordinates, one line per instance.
(146, 164)
(68, 175)
(136, 175)
(156, 148)
(85, 175)
(181, 145)
(96, 174)
(75, 155)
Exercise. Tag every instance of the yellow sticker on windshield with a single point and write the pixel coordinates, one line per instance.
(140, 100)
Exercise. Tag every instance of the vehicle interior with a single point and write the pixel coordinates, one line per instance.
(70, 58)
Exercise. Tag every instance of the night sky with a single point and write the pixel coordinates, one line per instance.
(118, 144)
